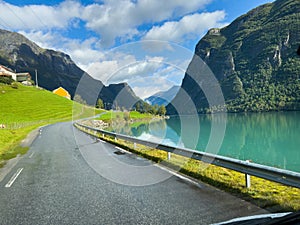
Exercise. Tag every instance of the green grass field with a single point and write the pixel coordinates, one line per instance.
(117, 120)
(26, 108)
(110, 115)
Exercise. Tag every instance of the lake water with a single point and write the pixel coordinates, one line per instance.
(271, 139)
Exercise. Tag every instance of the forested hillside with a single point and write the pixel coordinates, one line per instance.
(254, 59)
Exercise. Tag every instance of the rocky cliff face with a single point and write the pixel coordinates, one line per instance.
(56, 69)
(254, 60)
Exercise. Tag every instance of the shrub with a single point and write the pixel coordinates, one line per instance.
(126, 116)
(6, 80)
(14, 85)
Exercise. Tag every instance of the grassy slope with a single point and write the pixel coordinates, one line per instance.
(117, 120)
(133, 115)
(27, 108)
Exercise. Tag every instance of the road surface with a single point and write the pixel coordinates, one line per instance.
(64, 179)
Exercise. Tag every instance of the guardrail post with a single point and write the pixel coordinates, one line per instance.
(169, 155)
(102, 135)
(248, 178)
(134, 145)
(115, 138)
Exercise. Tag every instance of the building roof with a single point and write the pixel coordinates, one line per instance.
(6, 68)
(62, 92)
(23, 74)
(3, 73)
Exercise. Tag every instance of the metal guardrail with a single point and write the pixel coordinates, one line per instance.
(282, 176)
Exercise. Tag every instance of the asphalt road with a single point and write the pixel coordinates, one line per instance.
(75, 179)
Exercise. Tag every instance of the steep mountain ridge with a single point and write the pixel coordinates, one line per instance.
(56, 69)
(163, 97)
(254, 60)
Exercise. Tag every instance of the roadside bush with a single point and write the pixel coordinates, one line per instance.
(14, 85)
(32, 82)
(6, 80)
(126, 116)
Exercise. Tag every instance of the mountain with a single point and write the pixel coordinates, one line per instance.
(163, 97)
(254, 59)
(57, 69)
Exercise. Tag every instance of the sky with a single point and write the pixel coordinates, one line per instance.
(146, 43)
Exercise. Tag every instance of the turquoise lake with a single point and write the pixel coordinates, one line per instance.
(271, 139)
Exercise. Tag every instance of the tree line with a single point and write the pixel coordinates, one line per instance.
(140, 106)
(144, 107)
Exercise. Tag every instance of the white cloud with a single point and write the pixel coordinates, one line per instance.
(112, 20)
(147, 86)
(109, 68)
(38, 17)
(124, 68)
(45, 40)
(121, 19)
(188, 27)
(84, 51)
(138, 69)
(172, 73)
(103, 70)
(81, 52)
(154, 10)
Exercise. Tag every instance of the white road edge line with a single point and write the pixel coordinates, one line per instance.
(123, 150)
(31, 155)
(102, 141)
(167, 170)
(13, 178)
(178, 175)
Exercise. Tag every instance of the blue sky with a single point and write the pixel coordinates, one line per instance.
(104, 37)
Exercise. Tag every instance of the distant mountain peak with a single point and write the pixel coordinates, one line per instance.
(163, 97)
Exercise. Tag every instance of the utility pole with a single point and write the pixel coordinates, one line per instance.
(36, 80)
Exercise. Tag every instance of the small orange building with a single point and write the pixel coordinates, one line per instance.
(62, 92)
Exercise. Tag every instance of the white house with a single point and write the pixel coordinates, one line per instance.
(7, 72)
(22, 77)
